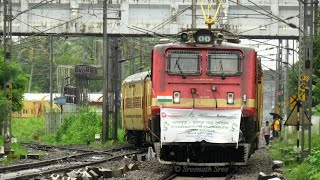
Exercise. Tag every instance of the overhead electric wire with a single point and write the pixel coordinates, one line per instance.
(32, 7)
(28, 25)
(257, 27)
(272, 16)
(38, 15)
(252, 9)
(279, 19)
(44, 31)
(170, 19)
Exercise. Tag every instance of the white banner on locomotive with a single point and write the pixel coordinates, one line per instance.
(195, 125)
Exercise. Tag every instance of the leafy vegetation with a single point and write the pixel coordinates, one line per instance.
(33, 54)
(78, 128)
(285, 151)
(10, 73)
(27, 130)
(18, 150)
(75, 129)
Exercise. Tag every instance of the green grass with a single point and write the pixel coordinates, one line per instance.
(18, 150)
(29, 129)
(75, 129)
(285, 151)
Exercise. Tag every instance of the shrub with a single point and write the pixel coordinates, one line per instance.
(77, 128)
(28, 129)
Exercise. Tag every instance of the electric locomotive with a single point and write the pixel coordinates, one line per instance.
(201, 104)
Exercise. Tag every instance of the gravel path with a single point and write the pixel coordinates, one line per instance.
(258, 162)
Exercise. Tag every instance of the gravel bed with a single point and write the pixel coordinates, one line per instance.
(258, 162)
(149, 170)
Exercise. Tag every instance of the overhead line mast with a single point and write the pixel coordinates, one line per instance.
(7, 39)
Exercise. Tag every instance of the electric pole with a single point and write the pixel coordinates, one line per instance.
(51, 76)
(105, 110)
(306, 77)
(140, 55)
(194, 21)
(7, 48)
(116, 87)
(32, 67)
(286, 94)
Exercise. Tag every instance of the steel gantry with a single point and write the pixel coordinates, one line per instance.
(267, 18)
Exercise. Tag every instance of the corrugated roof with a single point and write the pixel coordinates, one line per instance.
(136, 77)
(93, 97)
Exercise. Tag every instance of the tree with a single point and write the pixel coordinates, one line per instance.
(11, 71)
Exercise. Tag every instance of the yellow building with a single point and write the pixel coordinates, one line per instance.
(35, 105)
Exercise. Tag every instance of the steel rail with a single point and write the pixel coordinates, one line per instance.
(37, 174)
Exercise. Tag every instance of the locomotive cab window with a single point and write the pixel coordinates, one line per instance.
(183, 62)
(226, 63)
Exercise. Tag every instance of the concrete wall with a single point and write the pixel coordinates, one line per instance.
(85, 17)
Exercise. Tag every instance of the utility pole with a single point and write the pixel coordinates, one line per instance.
(116, 89)
(105, 110)
(140, 55)
(308, 30)
(316, 25)
(32, 67)
(286, 94)
(301, 52)
(51, 76)
(194, 21)
(7, 48)
(133, 59)
(279, 79)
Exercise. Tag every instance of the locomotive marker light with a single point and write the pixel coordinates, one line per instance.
(184, 37)
(244, 99)
(230, 98)
(213, 88)
(176, 97)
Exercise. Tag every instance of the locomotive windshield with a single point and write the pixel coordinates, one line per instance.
(183, 62)
(224, 63)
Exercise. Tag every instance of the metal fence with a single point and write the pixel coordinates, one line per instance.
(53, 124)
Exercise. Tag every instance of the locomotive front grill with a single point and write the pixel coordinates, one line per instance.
(203, 154)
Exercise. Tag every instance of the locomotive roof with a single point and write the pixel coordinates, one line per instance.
(136, 77)
(222, 45)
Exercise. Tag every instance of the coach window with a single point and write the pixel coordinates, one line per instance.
(183, 62)
(225, 63)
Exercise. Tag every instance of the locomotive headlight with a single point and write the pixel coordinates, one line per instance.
(230, 99)
(204, 38)
(176, 97)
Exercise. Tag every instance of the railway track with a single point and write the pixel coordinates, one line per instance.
(44, 147)
(67, 163)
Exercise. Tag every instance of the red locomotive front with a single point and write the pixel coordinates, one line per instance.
(204, 100)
